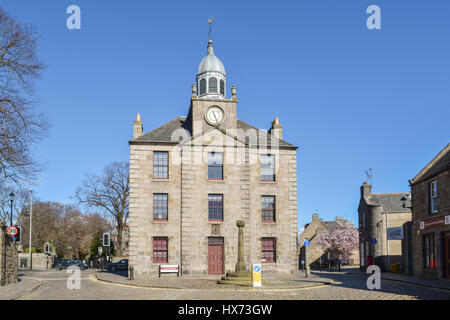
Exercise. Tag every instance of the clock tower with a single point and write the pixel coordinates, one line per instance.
(209, 105)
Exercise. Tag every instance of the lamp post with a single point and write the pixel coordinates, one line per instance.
(31, 225)
(11, 196)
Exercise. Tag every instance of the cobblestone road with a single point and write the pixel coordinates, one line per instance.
(348, 286)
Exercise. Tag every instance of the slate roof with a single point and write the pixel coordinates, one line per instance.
(390, 201)
(439, 164)
(163, 134)
(331, 224)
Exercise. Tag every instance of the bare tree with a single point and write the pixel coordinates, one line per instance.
(20, 124)
(64, 226)
(109, 193)
(20, 203)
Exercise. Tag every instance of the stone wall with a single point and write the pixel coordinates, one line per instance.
(8, 258)
(40, 261)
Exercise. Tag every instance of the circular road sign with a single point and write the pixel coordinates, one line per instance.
(257, 268)
(13, 231)
(306, 243)
(373, 241)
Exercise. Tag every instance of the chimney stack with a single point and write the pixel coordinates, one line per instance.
(315, 217)
(276, 129)
(137, 127)
(366, 190)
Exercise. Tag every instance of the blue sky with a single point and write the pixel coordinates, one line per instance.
(351, 98)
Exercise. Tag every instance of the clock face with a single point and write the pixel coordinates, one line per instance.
(215, 115)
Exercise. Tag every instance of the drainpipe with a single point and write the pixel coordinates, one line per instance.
(181, 211)
(387, 244)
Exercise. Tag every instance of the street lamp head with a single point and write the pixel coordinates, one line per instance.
(12, 195)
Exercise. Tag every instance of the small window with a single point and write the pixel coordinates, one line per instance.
(267, 167)
(161, 165)
(268, 208)
(222, 87)
(429, 252)
(215, 207)
(160, 206)
(160, 250)
(212, 85)
(215, 166)
(433, 197)
(202, 86)
(269, 253)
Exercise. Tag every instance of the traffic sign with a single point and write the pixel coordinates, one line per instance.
(256, 275)
(13, 231)
(306, 243)
(373, 241)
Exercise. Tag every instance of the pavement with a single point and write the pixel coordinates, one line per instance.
(24, 286)
(172, 281)
(325, 285)
(437, 284)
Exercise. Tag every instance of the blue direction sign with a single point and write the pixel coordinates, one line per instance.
(257, 268)
(373, 241)
(306, 243)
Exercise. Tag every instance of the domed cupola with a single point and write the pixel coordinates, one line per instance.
(211, 76)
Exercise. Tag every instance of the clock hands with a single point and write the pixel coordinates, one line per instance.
(214, 113)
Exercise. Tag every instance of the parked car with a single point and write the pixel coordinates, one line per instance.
(119, 265)
(55, 262)
(83, 265)
(64, 263)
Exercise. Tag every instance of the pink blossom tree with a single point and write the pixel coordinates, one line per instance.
(339, 242)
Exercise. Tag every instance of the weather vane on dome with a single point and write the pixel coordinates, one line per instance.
(210, 26)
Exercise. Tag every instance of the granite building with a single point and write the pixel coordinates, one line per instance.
(382, 218)
(314, 230)
(192, 178)
(430, 192)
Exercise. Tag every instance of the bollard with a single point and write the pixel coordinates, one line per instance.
(131, 273)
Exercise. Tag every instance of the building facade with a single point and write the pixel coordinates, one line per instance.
(192, 178)
(382, 218)
(314, 230)
(430, 192)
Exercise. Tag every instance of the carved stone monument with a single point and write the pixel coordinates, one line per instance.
(240, 276)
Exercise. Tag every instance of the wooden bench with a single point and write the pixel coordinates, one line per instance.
(169, 268)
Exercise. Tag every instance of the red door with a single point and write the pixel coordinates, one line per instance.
(215, 256)
(446, 256)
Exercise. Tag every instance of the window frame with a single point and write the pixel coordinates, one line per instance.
(166, 207)
(263, 167)
(273, 210)
(159, 259)
(202, 87)
(433, 197)
(215, 165)
(160, 165)
(212, 83)
(272, 250)
(215, 207)
(429, 251)
(222, 87)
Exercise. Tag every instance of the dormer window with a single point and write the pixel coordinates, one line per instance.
(212, 85)
(202, 86)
